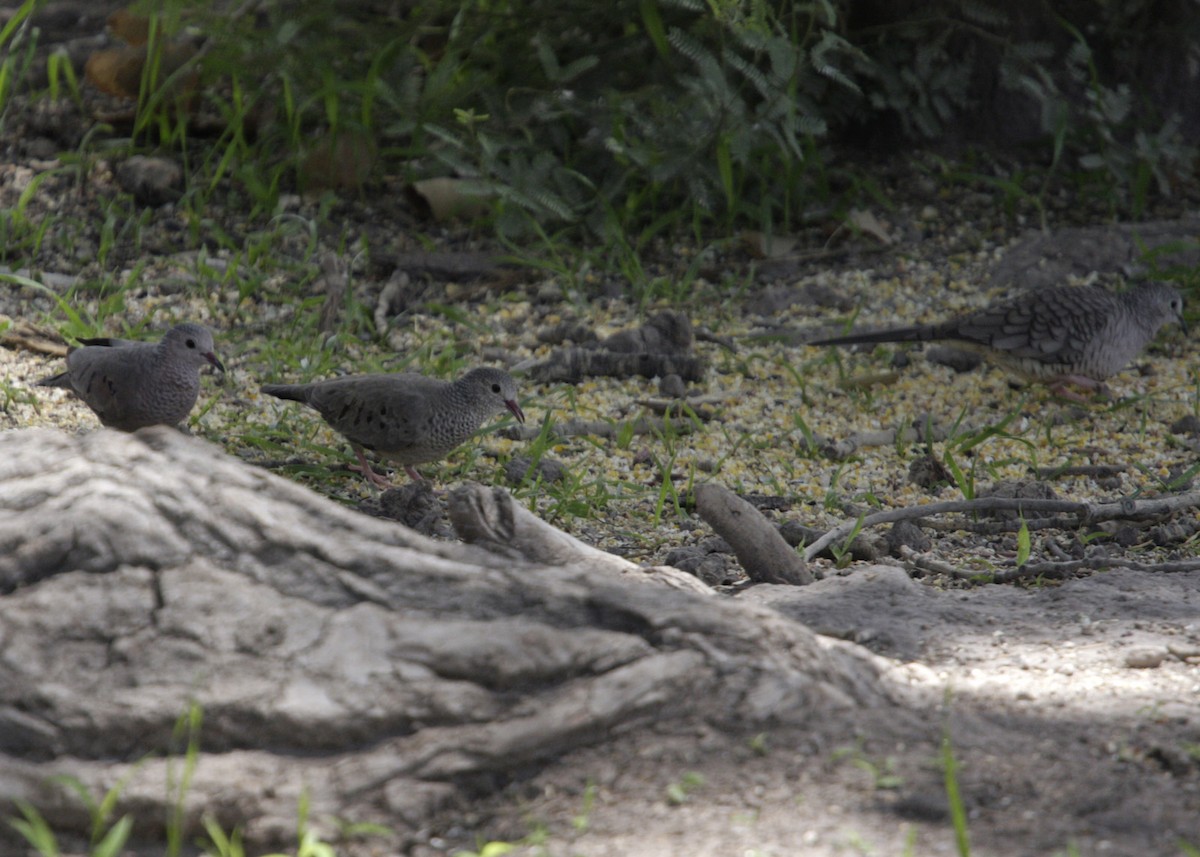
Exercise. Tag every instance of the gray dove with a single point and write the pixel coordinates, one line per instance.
(1060, 335)
(406, 417)
(132, 384)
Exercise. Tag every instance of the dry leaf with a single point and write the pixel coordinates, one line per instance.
(447, 198)
(129, 27)
(764, 246)
(340, 161)
(118, 71)
(334, 282)
(22, 334)
(869, 380)
(865, 221)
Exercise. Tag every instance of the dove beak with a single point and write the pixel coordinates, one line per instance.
(212, 358)
(515, 409)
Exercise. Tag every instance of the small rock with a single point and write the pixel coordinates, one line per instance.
(796, 533)
(928, 806)
(907, 534)
(955, 358)
(549, 293)
(929, 473)
(1184, 651)
(1145, 657)
(413, 504)
(839, 450)
(1127, 536)
(576, 332)
(666, 332)
(1018, 489)
(1186, 425)
(1172, 532)
(1180, 478)
(710, 568)
(672, 387)
(547, 469)
(152, 181)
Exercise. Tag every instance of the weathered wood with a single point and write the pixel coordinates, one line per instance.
(379, 669)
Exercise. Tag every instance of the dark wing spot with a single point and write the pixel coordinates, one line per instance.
(383, 410)
(345, 409)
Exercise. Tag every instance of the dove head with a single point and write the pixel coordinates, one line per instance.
(1158, 304)
(493, 389)
(192, 343)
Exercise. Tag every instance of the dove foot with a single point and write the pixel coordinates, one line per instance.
(364, 467)
(1062, 387)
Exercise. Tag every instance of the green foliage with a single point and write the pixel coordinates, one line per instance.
(489, 849)
(18, 42)
(883, 772)
(107, 840)
(1121, 149)
(36, 831)
(1024, 543)
(842, 554)
(581, 112)
(958, 811)
(681, 790)
(629, 117)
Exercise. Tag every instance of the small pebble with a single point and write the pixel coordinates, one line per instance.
(955, 358)
(928, 472)
(152, 181)
(1184, 651)
(1186, 425)
(547, 469)
(672, 387)
(1145, 657)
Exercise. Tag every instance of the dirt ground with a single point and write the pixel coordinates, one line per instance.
(1073, 713)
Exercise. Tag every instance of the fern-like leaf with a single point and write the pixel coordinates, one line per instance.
(983, 13)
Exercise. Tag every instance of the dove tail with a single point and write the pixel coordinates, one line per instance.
(895, 334)
(292, 392)
(62, 379)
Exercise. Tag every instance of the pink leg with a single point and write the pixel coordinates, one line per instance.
(368, 471)
(1059, 387)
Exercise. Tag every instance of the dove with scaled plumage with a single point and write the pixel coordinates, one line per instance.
(130, 385)
(1060, 335)
(405, 417)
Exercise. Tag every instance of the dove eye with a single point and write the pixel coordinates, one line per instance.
(191, 343)
(495, 388)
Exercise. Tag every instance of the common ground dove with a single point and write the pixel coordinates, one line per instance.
(1061, 335)
(408, 418)
(135, 384)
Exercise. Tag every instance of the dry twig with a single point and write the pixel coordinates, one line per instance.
(1074, 514)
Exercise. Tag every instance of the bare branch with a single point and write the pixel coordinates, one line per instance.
(1082, 514)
